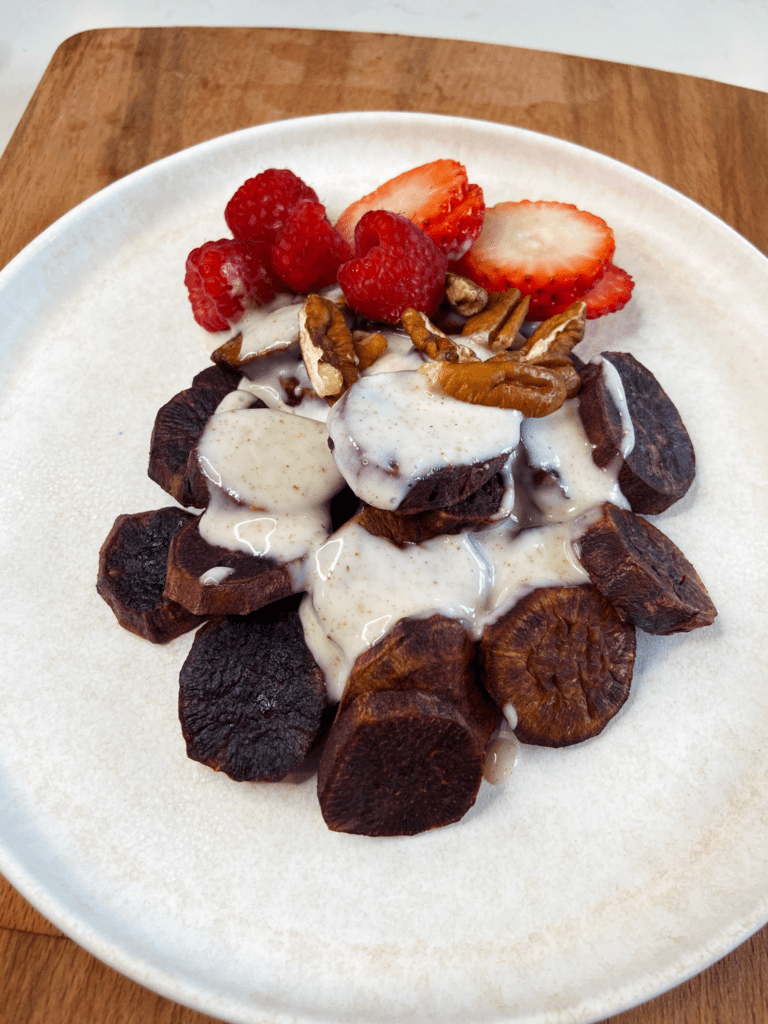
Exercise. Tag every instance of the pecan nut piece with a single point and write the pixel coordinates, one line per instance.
(432, 342)
(464, 296)
(369, 346)
(561, 365)
(558, 335)
(500, 320)
(533, 390)
(327, 348)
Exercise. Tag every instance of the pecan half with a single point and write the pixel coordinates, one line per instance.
(561, 365)
(500, 320)
(558, 335)
(532, 389)
(550, 346)
(464, 296)
(327, 347)
(431, 341)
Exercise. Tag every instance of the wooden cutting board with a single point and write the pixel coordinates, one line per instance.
(114, 100)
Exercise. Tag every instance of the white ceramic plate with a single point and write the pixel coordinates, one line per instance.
(595, 877)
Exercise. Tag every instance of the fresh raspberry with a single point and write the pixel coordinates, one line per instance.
(225, 278)
(553, 252)
(308, 250)
(259, 207)
(436, 196)
(611, 293)
(396, 266)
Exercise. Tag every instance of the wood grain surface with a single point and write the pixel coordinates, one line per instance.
(114, 100)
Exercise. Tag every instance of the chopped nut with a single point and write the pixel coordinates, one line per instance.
(558, 335)
(501, 319)
(229, 352)
(511, 384)
(432, 342)
(292, 390)
(464, 296)
(327, 348)
(368, 346)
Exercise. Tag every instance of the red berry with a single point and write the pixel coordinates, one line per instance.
(396, 266)
(436, 196)
(259, 207)
(225, 278)
(308, 250)
(553, 252)
(611, 293)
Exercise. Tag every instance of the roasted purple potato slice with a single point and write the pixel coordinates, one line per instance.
(251, 697)
(644, 574)
(132, 574)
(563, 658)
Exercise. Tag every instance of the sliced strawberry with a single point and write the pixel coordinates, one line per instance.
(397, 265)
(553, 252)
(226, 277)
(611, 293)
(308, 251)
(436, 196)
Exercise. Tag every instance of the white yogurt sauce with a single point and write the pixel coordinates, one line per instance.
(268, 377)
(389, 430)
(559, 445)
(542, 557)
(615, 386)
(271, 478)
(269, 460)
(360, 586)
(269, 327)
(282, 534)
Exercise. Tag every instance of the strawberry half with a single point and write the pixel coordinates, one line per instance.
(437, 197)
(611, 293)
(553, 252)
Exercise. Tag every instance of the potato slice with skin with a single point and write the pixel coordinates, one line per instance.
(406, 750)
(132, 574)
(661, 465)
(251, 697)
(563, 658)
(398, 762)
(644, 574)
(250, 583)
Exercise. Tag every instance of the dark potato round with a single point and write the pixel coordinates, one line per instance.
(256, 580)
(398, 762)
(472, 513)
(251, 696)
(661, 466)
(178, 426)
(563, 658)
(644, 574)
(132, 573)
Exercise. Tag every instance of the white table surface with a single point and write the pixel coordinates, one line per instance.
(724, 40)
